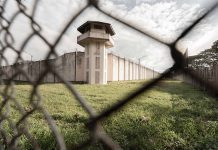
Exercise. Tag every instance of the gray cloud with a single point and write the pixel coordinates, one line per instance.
(165, 20)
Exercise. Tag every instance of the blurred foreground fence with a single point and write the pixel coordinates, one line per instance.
(10, 140)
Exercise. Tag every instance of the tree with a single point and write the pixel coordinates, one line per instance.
(206, 59)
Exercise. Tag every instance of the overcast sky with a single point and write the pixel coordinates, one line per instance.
(164, 19)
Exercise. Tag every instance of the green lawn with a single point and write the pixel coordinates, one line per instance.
(172, 115)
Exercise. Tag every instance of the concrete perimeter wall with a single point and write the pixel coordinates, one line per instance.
(71, 67)
(65, 65)
(120, 69)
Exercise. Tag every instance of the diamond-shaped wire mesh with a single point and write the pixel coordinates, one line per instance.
(20, 127)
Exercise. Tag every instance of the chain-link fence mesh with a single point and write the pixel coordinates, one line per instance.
(9, 138)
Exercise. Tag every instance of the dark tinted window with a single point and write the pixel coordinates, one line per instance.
(98, 26)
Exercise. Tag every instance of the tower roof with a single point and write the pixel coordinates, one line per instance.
(108, 26)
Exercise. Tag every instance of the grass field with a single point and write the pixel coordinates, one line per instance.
(172, 115)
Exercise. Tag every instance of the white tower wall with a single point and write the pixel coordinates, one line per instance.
(96, 62)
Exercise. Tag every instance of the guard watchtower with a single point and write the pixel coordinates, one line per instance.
(96, 37)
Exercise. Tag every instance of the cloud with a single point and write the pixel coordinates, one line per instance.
(163, 19)
(132, 44)
(11, 56)
(202, 36)
(200, 42)
(167, 19)
(51, 15)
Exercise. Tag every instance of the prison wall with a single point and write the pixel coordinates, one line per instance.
(126, 69)
(80, 65)
(120, 69)
(149, 74)
(110, 67)
(71, 67)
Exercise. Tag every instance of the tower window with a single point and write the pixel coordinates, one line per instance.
(87, 29)
(87, 63)
(97, 77)
(79, 61)
(98, 26)
(97, 62)
(97, 48)
(87, 51)
(87, 76)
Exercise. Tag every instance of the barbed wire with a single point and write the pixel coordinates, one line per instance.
(97, 133)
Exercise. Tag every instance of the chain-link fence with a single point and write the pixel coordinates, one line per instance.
(19, 128)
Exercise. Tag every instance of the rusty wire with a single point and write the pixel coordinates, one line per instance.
(97, 133)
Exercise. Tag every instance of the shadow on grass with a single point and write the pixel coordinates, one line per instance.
(188, 101)
(189, 120)
(167, 129)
